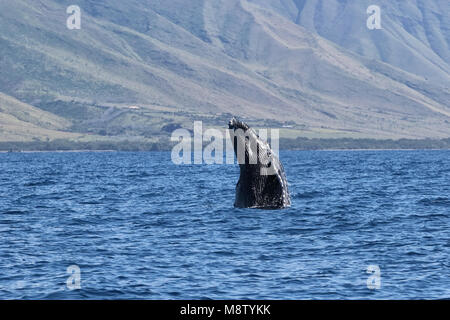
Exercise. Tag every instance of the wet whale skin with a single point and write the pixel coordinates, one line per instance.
(262, 182)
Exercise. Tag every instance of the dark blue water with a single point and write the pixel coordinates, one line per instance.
(139, 226)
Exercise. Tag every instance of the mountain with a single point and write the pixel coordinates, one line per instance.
(136, 68)
(22, 122)
(415, 35)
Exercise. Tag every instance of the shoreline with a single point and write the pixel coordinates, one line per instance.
(58, 151)
(111, 151)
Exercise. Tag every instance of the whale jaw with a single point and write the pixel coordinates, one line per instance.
(261, 191)
(262, 184)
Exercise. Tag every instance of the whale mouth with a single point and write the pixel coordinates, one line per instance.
(237, 124)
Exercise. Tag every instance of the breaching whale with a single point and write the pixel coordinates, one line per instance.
(262, 183)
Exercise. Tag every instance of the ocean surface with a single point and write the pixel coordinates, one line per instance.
(140, 227)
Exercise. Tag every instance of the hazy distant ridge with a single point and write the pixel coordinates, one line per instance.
(312, 63)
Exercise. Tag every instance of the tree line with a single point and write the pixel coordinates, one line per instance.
(164, 144)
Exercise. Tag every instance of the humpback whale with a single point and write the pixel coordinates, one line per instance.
(262, 183)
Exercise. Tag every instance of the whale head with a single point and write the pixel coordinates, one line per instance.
(235, 124)
(262, 182)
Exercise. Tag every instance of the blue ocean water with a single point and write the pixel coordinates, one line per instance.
(139, 226)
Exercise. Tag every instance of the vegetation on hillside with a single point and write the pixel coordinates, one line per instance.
(137, 68)
(163, 144)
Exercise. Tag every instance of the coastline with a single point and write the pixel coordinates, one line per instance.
(163, 144)
(320, 150)
(56, 151)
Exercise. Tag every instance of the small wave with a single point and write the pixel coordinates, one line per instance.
(14, 212)
(308, 195)
(91, 202)
(150, 195)
(139, 175)
(297, 231)
(223, 253)
(40, 183)
(439, 201)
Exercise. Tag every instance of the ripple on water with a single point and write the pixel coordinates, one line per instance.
(140, 227)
